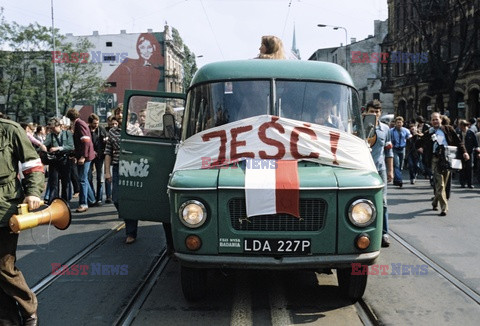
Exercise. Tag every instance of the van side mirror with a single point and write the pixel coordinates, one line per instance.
(169, 125)
(369, 124)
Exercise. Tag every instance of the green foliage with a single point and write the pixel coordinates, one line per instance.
(189, 62)
(27, 72)
(189, 67)
(78, 81)
(177, 40)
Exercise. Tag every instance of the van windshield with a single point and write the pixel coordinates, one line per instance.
(328, 104)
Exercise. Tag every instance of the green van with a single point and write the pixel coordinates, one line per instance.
(264, 164)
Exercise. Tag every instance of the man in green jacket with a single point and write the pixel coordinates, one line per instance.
(17, 158)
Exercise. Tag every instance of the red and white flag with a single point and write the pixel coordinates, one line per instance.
(272, 187)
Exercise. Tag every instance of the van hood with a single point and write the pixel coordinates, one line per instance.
(311, 176)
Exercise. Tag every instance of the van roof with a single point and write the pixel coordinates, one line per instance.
(267, 69)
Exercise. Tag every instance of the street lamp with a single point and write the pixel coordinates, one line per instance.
(346, 40)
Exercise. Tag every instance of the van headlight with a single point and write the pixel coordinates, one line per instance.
(192, 213)
(362, 212)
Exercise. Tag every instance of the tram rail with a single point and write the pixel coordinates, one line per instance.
(48, 280)
(471, 293)
(134, 305)
(131, 310)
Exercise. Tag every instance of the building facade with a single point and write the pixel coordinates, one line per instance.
(145, 61)
(434, 62)
(363, 61)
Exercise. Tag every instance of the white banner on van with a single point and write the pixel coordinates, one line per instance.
(274, 138)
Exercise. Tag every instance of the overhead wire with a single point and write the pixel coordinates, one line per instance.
(286, 19)
(211, 29)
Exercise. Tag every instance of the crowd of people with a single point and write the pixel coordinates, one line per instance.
(407, 142)
(73, 154)
(426, 150)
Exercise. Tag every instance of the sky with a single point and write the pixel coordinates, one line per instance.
(214, 30)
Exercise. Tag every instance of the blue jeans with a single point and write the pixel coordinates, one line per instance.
(383, 174)
(86, 191)
(398, 157)
(58, 171)
(98, 163)
(131, 226)
(413, 166)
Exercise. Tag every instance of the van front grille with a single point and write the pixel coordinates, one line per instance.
(312, 217)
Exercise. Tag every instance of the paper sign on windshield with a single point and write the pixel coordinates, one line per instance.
(155, 112)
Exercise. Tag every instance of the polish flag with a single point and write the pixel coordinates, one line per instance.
(272, 190)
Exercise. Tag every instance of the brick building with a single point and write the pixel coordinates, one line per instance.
(434, 62)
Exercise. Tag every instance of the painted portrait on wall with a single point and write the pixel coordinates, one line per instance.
(141, 73)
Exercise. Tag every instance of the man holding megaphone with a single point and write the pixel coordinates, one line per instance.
(17, 155)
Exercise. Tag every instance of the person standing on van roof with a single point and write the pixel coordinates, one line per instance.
(399, 135)
(433, 145)
(382, 155)
(271, 47)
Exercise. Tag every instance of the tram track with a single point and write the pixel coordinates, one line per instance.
(133, 306)
(366, 314)
(44, 283)
(128, 314)
(459, 284)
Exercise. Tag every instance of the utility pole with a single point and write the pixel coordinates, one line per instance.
(57, 112)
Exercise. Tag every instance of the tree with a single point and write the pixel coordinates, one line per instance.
(78, 81)
(189, 67)
(26, 72)
(448, 31)
(189, 61)
(19, 63)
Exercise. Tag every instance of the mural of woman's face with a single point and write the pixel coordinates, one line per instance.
(146, 49)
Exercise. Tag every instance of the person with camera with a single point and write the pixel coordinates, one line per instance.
(433, 145)
(59, 144)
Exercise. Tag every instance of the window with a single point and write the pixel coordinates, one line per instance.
(154, 117)
(111, 84)
(108, 44)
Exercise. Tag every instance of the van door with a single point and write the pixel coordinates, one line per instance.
(150, 134)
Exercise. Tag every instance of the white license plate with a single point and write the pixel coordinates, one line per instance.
(277, 246)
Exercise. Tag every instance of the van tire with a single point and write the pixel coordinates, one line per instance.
(194, 283)
(352, 287)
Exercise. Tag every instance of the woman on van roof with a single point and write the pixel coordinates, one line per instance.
(271, 48)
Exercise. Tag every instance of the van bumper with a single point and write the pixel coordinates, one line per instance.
(264, 262)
